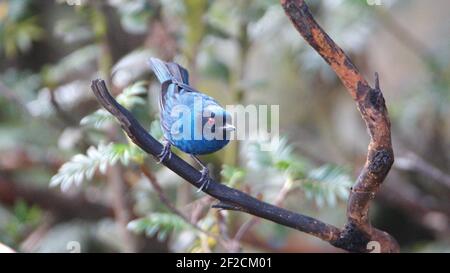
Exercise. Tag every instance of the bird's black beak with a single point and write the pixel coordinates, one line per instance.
(229, 128)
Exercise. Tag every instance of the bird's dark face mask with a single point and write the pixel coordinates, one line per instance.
(217, 124)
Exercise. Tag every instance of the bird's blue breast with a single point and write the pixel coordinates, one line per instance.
(200, 147)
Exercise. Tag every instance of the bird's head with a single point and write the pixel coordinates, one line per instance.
(217, 121)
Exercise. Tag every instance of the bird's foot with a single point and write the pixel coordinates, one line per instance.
(204, 179)
(165, 154)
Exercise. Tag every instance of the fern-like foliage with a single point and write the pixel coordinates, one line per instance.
(325, 184)
(280, 156)
(158, 223)
(98, 119)
(130, 97)
(83, 166)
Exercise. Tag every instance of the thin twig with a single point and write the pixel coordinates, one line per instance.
(123, 212)
(279, 199)
(32, 240)
(66, 118)
(10, 95)
(166, 201)
(423, 209)
(414, 163)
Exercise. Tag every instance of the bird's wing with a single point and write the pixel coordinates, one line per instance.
(167, 99)
(174, 86)
(170, 74)
(179, 73)
(169, 71)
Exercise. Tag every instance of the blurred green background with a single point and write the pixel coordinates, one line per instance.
(69, 176)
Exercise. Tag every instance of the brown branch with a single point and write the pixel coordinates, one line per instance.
(162, 196)
(370, 102)
(423, 209)
(414, 163)
(123, 211)
(63, 115)
(32, 239)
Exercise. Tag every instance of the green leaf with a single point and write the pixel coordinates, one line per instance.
(326, 185)
(126, 152)
(280, 156)
(131, 95)
(98, 119)
(232, 175)
(129, 98)
(18, 35)
(27, 214)
(25, 218)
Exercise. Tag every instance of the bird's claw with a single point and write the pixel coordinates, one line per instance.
(204, 179)
(165, 154)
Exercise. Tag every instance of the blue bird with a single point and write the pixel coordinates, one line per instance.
(190, 120)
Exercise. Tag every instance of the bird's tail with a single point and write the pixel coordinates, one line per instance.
(169, 71)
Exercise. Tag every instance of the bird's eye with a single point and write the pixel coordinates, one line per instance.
(211, 121)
